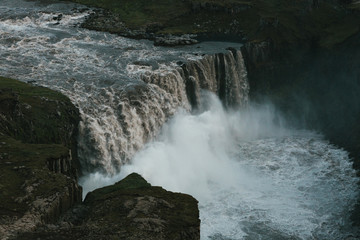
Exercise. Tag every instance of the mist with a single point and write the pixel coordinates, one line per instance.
(193, 150)
(251, 173)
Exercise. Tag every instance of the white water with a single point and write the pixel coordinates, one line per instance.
(254, 179)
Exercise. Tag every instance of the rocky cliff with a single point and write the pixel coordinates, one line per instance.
(38, 158)
(129, 209)
(301, 55)
(39, 194)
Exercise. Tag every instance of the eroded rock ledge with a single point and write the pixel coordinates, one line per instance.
(38, 157)
(131, 209)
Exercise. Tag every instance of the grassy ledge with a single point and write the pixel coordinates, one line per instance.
(282, 21)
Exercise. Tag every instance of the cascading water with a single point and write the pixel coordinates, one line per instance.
(254, 179)
(125, 89)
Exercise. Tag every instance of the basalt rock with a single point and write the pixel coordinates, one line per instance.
(130, 209)
(38, 115)
(171, 40)
(38, 158)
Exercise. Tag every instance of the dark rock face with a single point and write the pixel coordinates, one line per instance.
(315, 88)
(327, 23)
(38, 115)
(129, 209)
(150, 212)
(105, 20)
(171, 40)
(38, 158)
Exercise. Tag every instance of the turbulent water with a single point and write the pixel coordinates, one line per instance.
(254, 177)
(105, 75)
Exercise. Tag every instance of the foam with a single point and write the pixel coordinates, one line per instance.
(253, 178)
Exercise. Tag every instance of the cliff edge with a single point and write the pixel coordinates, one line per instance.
(130, 209)
(38, 158)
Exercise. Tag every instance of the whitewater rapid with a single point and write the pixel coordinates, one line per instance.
(254, 176)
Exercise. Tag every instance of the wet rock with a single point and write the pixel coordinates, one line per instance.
(172, 40)
(58, 17)
(38, 160)
(152, 212)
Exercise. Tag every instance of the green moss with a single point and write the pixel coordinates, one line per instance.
(122, 207)
(36, 114)
(133, 181)
(28, 92)
(142, 12)
(24, 165)
(282, 21)
(36, 125)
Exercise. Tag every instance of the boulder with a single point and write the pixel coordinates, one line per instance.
(131, 209)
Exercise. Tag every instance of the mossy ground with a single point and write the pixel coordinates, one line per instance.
(24, 165)
(133, 199)
(282, 21)
(131, 209)
(35, 114)
(133, 181)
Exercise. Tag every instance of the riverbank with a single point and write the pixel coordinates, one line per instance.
(324, 23)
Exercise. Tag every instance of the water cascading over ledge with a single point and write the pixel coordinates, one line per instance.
(135, 113)
(224, 74)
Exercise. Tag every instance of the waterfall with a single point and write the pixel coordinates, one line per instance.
(253, 177)
(223, 74)
(125, 89)
(134, 114)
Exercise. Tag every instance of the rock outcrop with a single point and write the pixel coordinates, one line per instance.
(170, 40)
(38, 158)
(131, 209)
